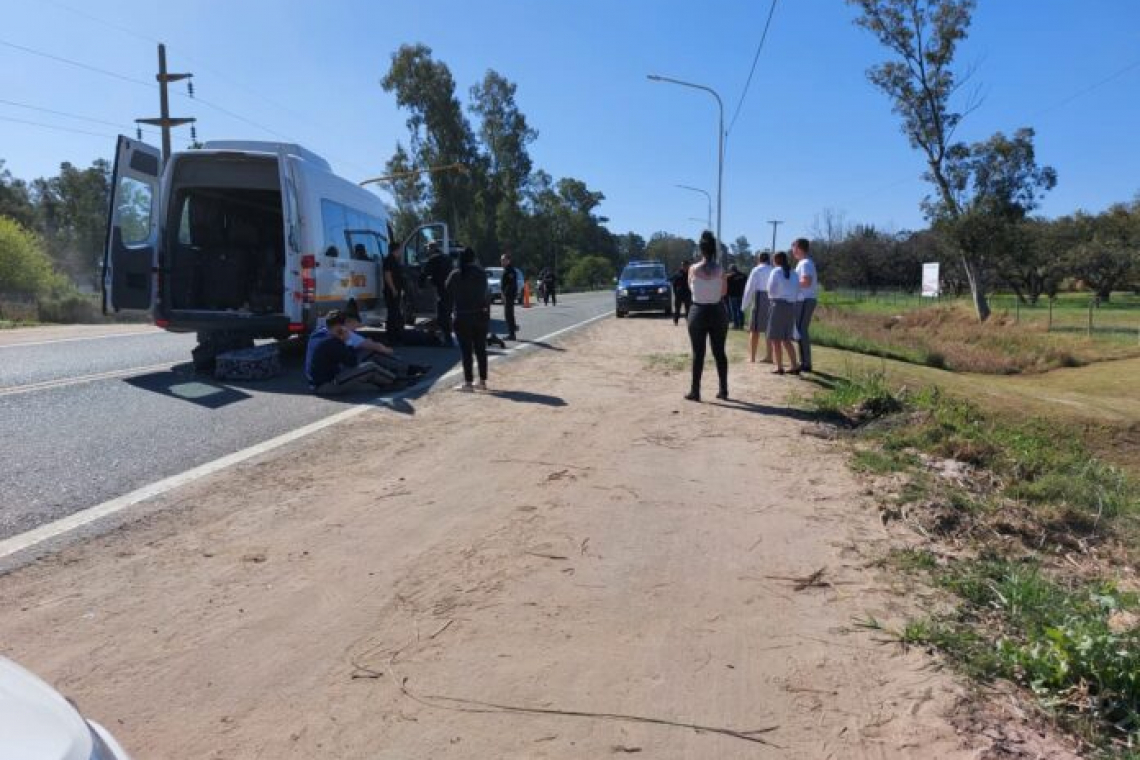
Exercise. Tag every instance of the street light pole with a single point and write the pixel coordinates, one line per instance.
(707, 197)
(775, 223)
(719, 151)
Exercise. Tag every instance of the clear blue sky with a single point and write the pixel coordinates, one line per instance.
(812, 132)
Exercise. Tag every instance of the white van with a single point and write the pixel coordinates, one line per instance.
(242, 240)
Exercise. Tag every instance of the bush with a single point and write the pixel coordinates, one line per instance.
(25, 269)
(70, 308)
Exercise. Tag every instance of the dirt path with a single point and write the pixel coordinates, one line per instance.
(588, 543)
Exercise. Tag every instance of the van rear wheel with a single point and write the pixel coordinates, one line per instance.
(214, 342)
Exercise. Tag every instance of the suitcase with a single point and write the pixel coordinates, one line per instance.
(258, 363)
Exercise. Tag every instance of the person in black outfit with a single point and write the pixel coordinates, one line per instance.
(708, 318)
(510, 290)
(437, 269)
(549, 292)
(736, 282)
(466, 288)
(393, 269)
(682, 296)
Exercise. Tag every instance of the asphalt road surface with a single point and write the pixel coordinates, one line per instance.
(86, 419)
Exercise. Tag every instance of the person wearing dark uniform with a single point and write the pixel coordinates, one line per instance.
(467, 290)
(393, 269)
(549, 292)
(510, 290)
(682, 296)
(437, 269)
(736, 282)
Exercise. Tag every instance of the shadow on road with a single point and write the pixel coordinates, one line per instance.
(769, 411)
(197, 389)
(526, 397)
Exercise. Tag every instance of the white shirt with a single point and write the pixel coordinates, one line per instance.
(782, 288)
(354, 339)
(706, 289)
(806, 268)
(757, 283)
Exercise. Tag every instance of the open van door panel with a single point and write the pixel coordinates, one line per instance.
(291, 218)
(130, 253)
(421, 298)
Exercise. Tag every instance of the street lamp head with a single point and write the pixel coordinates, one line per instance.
(653, 77)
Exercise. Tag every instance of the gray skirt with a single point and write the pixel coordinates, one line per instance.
(760, 310)
(781, 320)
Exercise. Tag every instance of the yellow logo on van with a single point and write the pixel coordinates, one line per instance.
(355, 281)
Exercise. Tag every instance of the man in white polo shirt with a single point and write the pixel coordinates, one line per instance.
(805, 304)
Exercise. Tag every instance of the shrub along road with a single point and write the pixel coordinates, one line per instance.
(87, 419)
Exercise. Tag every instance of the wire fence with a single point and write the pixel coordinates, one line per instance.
(1117, 318)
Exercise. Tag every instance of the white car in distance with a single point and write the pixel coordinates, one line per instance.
(38, 723)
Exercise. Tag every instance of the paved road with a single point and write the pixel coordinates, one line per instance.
(86, 420)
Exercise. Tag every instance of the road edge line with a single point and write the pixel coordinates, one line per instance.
(27, 540)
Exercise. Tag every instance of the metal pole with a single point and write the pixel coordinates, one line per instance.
(707, 197)
(720, 150)
(165, 122)
(775, 223)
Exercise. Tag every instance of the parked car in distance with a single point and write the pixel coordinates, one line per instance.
(495, 284)
(38, 723)
(643, 286)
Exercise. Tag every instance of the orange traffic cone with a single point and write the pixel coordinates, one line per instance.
(526, 294)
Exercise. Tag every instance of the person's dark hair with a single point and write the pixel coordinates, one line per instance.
(467, 268)
(708, 246)
(803, 244)
(764, 258)
(781, 260)
(334, 319)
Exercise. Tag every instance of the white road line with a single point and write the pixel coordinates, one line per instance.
(64, 525)
(85, 337)
(63, 382)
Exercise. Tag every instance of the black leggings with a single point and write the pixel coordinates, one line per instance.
(471, 332)
(711, 320)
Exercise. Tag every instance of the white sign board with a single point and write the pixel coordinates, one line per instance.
(931, 287)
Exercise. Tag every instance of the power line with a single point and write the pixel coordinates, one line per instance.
(53, 126)
(752, 71)
(78, 64)
(117, 125)
(1087, 90)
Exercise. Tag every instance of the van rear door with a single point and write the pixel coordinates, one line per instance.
(130, 255)
(292, 285)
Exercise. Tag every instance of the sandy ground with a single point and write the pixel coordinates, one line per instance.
(572, 567)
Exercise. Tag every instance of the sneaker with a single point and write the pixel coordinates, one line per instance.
(481, 385)
(465, 388)
(722, 394)
(693, 396)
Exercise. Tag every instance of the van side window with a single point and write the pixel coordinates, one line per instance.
(363, 245)
(335, 224)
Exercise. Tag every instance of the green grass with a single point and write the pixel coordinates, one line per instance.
(667, 363)
(1055, 639)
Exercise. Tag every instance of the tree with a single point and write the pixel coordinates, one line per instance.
(923, 36)
(409, 191)
(440, 134)
(15, 201)
(71, 216)
(630, 246)
(1108, 258)
(590, 272)
(25, 269)
(742, 251)
(670, 249)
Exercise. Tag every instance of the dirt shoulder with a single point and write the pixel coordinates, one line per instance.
(583, 564)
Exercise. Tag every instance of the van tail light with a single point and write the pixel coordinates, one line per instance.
(308, 278)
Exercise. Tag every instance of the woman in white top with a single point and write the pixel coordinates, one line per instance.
(783, 290)
(756, 298)
(707, 317)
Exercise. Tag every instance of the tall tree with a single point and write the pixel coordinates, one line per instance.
(923, 37)
(630, 246)
(440, 133)
(15, 200)
(71, 211)
(742, 250)
(409, 190)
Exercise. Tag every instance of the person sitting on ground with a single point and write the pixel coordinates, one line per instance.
(333, 369)
(375, 351)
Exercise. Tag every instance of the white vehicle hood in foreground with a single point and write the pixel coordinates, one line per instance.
(36, 723)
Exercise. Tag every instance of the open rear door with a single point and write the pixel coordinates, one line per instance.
(130, 255)
(422, 299)
(291, 218)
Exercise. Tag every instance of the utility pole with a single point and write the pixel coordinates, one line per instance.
(775, 223)
(165, 122)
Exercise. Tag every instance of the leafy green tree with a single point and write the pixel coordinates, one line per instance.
(742, 251)
(670, 249)
(590, 272)
(440, 133)
(409, 190)
(25, 269)
(71, 216)
(923, 37)
(630, 246)
(1108, 256)
(15, 200)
